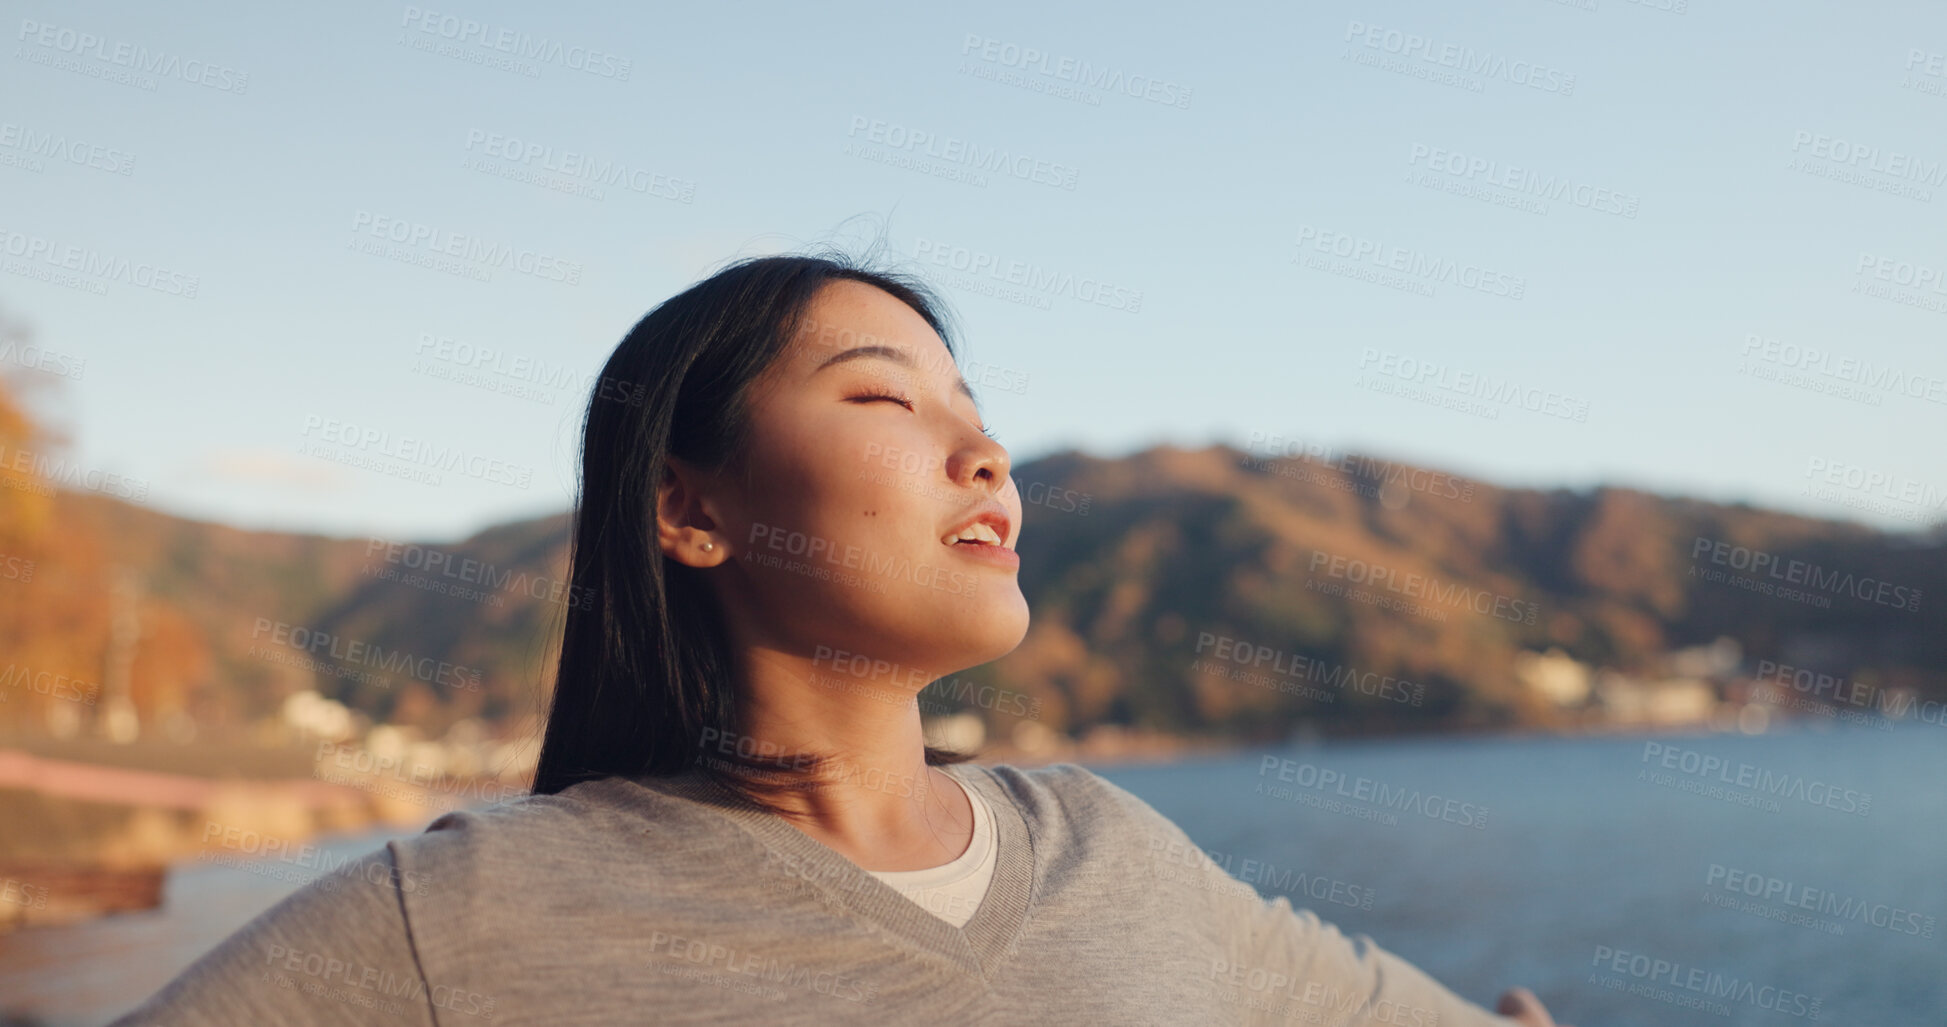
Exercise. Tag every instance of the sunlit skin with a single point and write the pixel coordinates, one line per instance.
(816, 465)
(1524, 1008)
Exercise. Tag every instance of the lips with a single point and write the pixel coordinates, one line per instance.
(987, 525)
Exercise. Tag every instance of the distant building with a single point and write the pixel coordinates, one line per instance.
(1553, 675)
(1670, 701)
(1685, 692)
(1719, 659)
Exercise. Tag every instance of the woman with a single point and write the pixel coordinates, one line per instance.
(792, 518)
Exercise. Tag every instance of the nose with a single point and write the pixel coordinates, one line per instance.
(982, 463)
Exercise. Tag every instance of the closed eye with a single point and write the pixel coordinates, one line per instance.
(901, 400)
(907, 403)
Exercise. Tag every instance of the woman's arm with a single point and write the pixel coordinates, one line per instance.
(1288, 964)
(1349, 981)
(336, 951)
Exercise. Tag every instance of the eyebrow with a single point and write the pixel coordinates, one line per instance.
(897, 356)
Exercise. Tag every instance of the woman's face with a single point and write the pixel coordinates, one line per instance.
(859, 464)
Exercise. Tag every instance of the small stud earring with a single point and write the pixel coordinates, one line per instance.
(707, 546)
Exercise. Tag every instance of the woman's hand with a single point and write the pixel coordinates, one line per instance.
(1524, 1008)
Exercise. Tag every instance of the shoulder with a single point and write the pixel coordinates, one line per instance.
(510, 822)
(540, 837)
(1082, 791)
(343, 933)
(1122, 852)
(556, 868)
(1072, 802)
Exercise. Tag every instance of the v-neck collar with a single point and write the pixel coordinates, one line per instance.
(978, 946)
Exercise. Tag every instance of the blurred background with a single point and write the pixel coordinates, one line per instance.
(1482, 463)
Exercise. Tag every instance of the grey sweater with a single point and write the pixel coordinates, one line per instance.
(664, 900)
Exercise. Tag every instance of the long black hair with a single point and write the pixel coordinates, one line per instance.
(644, 678)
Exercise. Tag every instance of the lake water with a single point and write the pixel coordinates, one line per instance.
(1594, 864)
(1611, 877)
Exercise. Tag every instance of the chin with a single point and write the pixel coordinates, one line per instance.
(996, 627)
(969, 635)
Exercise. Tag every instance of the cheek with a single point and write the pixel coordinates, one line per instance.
(780, 492)
(849, 479)
(886, 453)
(830, 492)
(846, 449)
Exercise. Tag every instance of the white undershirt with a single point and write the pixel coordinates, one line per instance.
(953, 890)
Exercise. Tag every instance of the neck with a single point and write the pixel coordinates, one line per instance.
(875, 799)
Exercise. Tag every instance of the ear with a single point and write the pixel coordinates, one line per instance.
(684, 523)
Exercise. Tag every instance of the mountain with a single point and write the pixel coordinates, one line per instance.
(1367, 595)
(1364, 566)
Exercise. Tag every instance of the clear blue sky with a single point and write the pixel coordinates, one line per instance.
(1767, 151)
